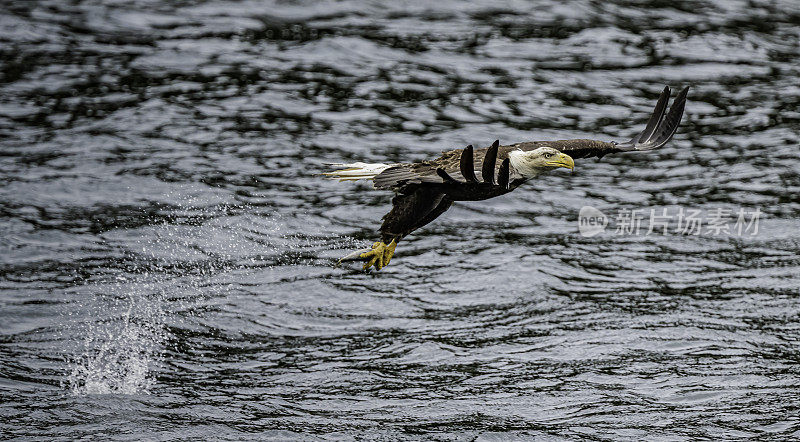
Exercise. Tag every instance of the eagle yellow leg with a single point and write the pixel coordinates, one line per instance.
(380, 255)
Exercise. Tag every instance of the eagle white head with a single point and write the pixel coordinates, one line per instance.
(532, 163)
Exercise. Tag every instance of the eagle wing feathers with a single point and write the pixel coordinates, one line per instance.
(453, 165)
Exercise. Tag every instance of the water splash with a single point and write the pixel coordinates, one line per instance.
(167, 272)
(121, 363)
(123, 340)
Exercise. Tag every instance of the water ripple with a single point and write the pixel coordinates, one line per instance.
(167, 246)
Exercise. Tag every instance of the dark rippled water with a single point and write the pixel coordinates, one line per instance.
(167, 246)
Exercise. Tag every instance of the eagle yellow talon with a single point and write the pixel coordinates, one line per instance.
(380, 255)
(389, 252)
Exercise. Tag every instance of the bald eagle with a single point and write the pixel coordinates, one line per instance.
(424, 190)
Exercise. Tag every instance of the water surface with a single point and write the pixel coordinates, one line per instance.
(167, 245)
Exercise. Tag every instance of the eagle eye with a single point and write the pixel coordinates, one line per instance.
(548, 155)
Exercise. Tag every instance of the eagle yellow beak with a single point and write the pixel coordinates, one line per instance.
(563, 160)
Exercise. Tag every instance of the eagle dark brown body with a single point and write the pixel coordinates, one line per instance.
(450, 161)
(427, 189)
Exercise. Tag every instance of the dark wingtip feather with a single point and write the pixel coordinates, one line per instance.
(445, 176)
(467, 166)
(489, 161)
(654, 137)
(503, 177)
(671, 122)
(655, 118)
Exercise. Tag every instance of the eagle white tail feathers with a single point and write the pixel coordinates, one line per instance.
(357, 171)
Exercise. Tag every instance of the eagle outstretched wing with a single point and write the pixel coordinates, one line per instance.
(493, 165)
